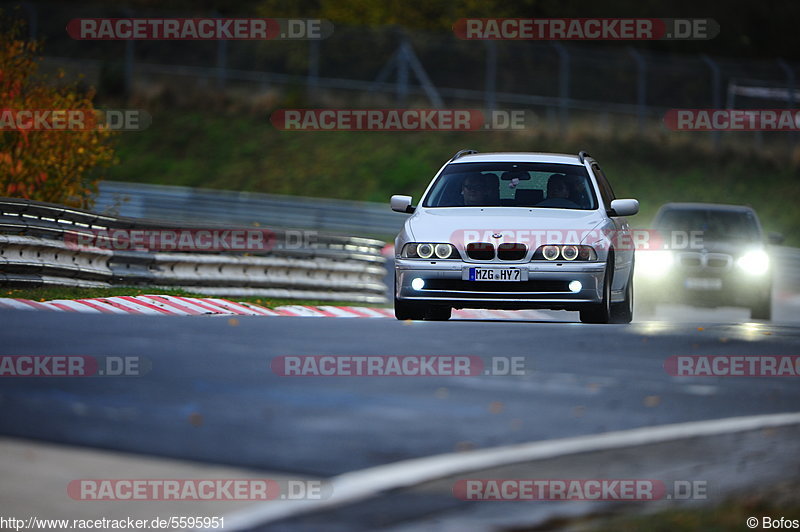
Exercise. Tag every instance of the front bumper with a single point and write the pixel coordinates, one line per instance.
(546, 286)
(705, 289)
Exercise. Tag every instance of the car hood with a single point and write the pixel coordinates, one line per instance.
(452, 223)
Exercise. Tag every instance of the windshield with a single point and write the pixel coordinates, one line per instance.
(715, 224)
(540, 185)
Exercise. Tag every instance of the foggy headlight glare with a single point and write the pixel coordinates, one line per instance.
(654, 263)
(754, 262)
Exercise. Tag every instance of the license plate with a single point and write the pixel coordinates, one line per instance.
(693, 283)
(493, 274)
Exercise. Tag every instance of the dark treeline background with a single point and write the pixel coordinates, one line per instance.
(749, 28)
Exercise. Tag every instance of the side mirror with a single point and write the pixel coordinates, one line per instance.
(402, 204)
(776, 239)
(624, 207)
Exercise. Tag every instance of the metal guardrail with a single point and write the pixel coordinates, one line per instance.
(184, 204)
(39, 246)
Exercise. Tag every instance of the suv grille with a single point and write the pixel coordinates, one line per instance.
(713, 261)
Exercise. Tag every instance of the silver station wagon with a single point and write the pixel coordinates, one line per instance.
(516, 231)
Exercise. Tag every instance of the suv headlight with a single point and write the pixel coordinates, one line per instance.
(568, 253)
(755, 262)
(654, 263)
(429, 250)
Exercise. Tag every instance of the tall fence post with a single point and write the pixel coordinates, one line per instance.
(129, 58)
(563, 84)
(415, 64)
(641, 85)
(716, 96)
(222, 60)
(490, 101)
(401, 85)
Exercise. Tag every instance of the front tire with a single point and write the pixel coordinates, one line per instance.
(623, 312)
(438, 313)
(408, 310)
(763, 310)
(412, 310)
(600, 312)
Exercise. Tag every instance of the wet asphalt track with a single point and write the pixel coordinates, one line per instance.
(211, 394)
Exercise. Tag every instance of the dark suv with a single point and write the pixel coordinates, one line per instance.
(713, 256)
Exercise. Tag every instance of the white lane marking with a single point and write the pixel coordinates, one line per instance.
(360, 485)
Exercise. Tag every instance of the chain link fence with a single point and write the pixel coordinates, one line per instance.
(566, 82)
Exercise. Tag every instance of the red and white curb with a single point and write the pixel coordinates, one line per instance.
(193, 306)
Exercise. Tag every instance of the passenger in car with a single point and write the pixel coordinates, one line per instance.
(481, 190)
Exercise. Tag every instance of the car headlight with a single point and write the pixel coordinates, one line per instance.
(755, 262)
(550, 252)
(443, 251)
(567, 252)
(654, 263)
(427, 250)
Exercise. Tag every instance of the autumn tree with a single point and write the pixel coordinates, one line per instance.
(58, 166)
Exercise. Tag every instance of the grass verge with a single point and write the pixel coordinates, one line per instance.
(730, 515)
(240, 151)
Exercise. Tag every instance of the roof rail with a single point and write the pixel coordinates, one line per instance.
(582, 155)
(462, 153)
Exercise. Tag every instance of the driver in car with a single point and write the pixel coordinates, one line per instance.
(558, 193)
